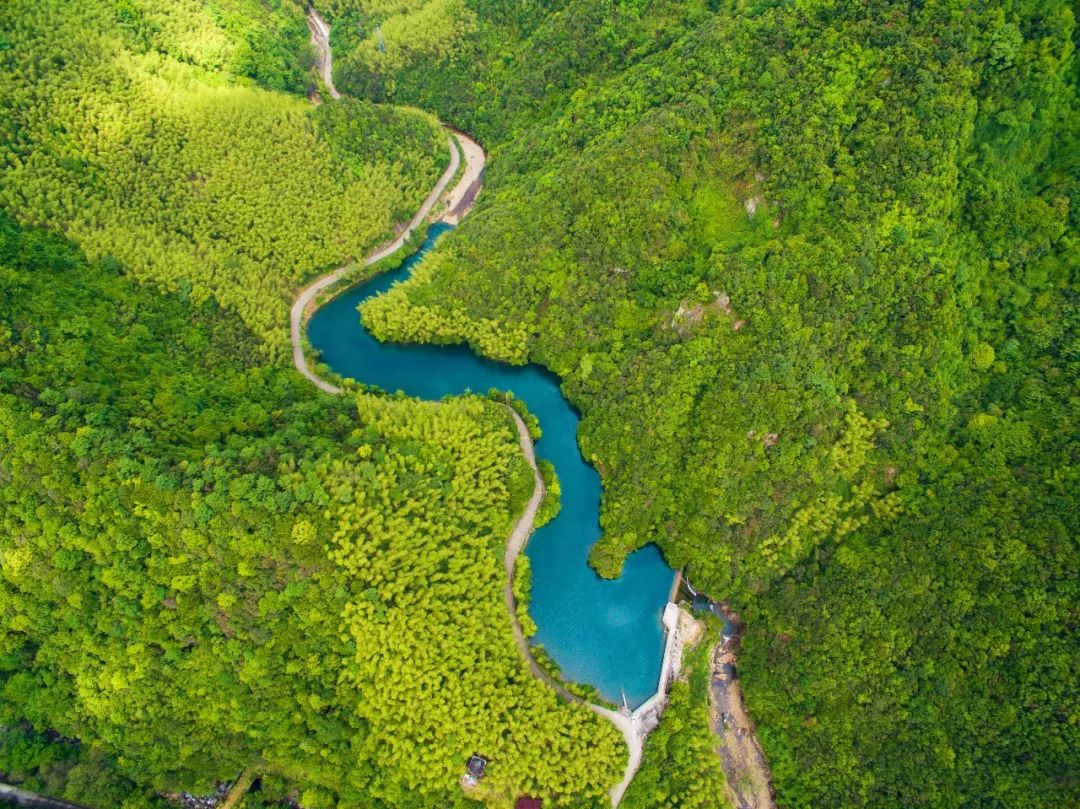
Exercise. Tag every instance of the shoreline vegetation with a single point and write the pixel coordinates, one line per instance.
(635, 727)
(380, 631)
(806, 271)
(304, 300)
(809, 271)
(241, 548)
(462, 196)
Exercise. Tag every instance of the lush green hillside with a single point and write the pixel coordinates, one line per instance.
(809, 270)
(132, 128)
(239, 570)
(205, 564)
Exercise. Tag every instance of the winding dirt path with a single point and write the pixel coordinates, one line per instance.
(523, 529)
(324, 57)
(309, 293)
(458, 202)
(519, 537)
(464, 193)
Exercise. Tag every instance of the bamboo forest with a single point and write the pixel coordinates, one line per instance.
(665, 404)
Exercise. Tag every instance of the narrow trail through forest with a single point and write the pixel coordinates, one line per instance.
(324, 57)
(739, 750)
(519, 537)
(308, 295)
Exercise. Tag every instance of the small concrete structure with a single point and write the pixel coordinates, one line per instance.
(637, 726)
(13, 796)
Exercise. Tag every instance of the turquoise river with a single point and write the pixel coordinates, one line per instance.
(605, 633)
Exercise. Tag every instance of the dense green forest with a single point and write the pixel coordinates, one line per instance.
(206, 564)
(808, 269)
(810, 272)
(48, 764)
(242, 571)
(139, 131)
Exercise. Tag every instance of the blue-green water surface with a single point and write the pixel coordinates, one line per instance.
(601, 632)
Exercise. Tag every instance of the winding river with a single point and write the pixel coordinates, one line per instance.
(601, 632)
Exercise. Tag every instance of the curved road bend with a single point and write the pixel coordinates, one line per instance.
(460, 198)
(309, 293)
(524, 527)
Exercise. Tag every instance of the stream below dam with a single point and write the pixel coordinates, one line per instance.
(605, 633)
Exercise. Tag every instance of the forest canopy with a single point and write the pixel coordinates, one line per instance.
(134, 129)
(244, 572)
(809, 270)
(206, 564)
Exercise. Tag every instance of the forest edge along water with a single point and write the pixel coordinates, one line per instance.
(334, 330)
(606, 633)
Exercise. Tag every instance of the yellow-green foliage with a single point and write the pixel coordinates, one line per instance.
(522, 593)
(408, 30)
(135, 149)
(393, 316)
(431, 601)
(264, 42)
(243, 571)
(913, 248)
(833, 515)
(848, 455)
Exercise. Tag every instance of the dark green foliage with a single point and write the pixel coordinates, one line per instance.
(60, 768)
(361, 134)
(143, 494)
(272, 45)
(207, 565)
(809, 271)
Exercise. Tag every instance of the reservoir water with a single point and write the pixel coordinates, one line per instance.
(601, 632)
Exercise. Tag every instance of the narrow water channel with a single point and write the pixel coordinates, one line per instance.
(604, 633)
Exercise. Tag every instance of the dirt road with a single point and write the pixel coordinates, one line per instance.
(324, 57)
